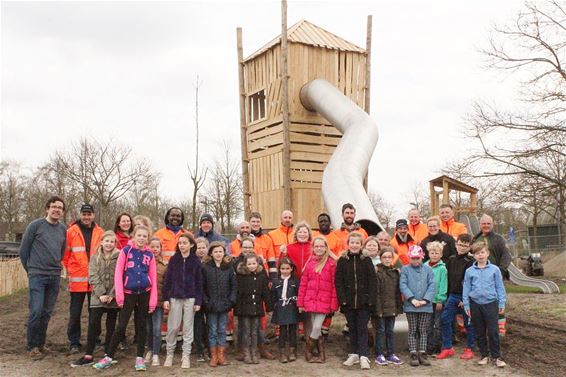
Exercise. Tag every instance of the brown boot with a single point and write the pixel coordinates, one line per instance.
(247, 356)
(213, 357)
(308, 349)
(315, 358)
(255, 356)
(221, 352)
(322, 348)
(292, 354)
(239, 353)
(282, 355)
(264, 353)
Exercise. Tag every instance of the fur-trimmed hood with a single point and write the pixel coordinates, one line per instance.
(346, 254)
(243, 269)
(225, 264)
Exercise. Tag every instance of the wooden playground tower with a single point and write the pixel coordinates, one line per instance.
(447, 185)
(285, 147)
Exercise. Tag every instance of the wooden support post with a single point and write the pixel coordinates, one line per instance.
(243, 126)
(288, 200)
(368, 78)
(445, 193)
(433, 200)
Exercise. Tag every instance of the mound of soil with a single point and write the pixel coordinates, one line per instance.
(556, 266)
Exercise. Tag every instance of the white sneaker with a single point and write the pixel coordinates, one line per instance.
(500, 363)
(364, 362)
(185, 362)
(351, 360)
(168, 361)
(483, 361)
(148, 356)
(155, 361)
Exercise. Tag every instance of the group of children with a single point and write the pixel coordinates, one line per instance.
(363, 283)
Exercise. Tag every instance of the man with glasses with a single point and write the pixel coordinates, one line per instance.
(41, 253)
(435, 234)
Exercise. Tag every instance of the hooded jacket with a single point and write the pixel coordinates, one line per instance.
(76, 258)
(402, 248)
(220, 289)
(440, 282)
(453, 228)
(449, 245)
(300, 253)
(183, 278)
(417, 283)
(456, 267)
(101, 277)
(282, 235)
(213, 236)
(355, 282)
(498, 252)
(317, 293)
(253, 292)
(285, 311)
(388, 297)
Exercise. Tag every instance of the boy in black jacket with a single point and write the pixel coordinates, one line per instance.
(457, 266)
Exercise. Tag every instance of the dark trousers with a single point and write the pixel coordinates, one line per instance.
(141, 301)
(485, 319)
(200, 332)
(434, 339)
(357, 320)
(95, 327)
(384, 335)
(42, 296)
(249, 328)
(75, 312)
(288, 336)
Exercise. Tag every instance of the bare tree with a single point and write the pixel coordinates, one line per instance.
(420, 200)
(223, 194)
(12, 200)
(105, 173)
(197, 178)
(384, 210)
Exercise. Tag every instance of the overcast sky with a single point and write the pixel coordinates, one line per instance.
(126, 70)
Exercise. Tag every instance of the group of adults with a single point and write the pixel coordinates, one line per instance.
(48, 246)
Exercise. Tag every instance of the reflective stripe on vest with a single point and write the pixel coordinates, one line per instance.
(78, 280)
(168, 253)
(77, 249)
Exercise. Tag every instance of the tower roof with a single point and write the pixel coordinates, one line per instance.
(308, 33)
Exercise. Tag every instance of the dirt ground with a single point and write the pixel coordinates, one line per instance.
(535, 345)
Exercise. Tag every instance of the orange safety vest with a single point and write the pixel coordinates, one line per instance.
(76, 260)
(334, 242)
(453, 228)
(402, 250)
(418, 232)
(343, 236)
(281, 236)
(168, 241)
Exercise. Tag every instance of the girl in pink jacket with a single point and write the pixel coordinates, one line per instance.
(317, 296)
(135, 282)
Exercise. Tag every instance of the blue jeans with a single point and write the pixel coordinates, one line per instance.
(43, 291)
(154, 322)
(357, 320)
(449, 313)
(384, 335)
(217, 329)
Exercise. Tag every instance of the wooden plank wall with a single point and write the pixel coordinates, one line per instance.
(313, 139)
(13, 277)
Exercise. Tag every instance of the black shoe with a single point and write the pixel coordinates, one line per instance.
(74, 349)
(82, 361)
(123, 346)
(413, 359)
(423, 359)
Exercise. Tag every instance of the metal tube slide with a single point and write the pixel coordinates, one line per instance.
(342, 181)
(517, 277)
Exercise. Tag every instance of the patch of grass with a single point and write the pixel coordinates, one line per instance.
(20, 292)
(513, 288)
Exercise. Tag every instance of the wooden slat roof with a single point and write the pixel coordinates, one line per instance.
(310, 34)
(453, 184)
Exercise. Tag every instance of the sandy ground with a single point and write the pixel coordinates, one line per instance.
(527, 349)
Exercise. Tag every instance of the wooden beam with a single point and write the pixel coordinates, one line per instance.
(287, 198)
(243, 125)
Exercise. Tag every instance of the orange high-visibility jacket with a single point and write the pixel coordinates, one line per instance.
(343, 235)
(402, 249)
(263, 247)
(168, 241)
(281, 236)
(418, 232)
(76, 259)
(334, 243)
(453, 228)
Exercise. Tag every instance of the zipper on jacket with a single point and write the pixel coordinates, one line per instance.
(355, 285)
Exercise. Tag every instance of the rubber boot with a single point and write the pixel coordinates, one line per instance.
(264, 353)
(322, 348)
(239, 353)
(315, 358)
(221, 353)
(213, 357)
(308, 349)
(282, 355)
(255, 356)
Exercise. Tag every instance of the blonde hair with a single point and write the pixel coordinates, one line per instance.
(324, 257)
(145, 221)
(433, 218)
(354, 234)
(99, 249)
(202, 240)
(479, 246)
(435, 245)
(298, 227)
(137, 228)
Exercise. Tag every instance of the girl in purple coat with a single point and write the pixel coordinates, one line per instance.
(317, 296)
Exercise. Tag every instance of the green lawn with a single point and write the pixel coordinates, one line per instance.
(513, 288)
